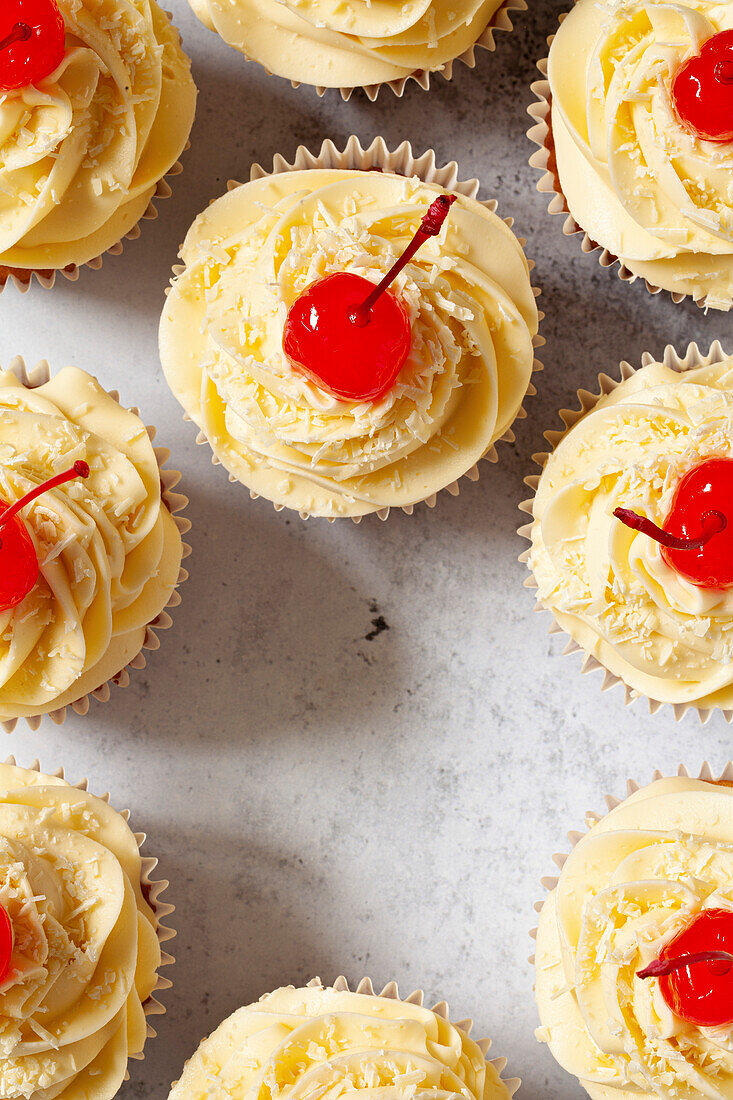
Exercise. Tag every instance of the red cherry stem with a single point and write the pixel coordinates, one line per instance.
(21, 32)
(713, 522)
(430, 226)
(79, 469)
(724, 72)
(661, 967)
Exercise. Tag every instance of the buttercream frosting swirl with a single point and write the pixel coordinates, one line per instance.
(86, 949)
(82, 152)
(627, 888)
(335, 45)
(326, 1042)
(637, 181)
(108, 548)
(472, 312)
(609, 587)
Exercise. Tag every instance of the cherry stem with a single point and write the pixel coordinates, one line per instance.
(79, 469)
(713, 522)
(21, 32)
(430, 226)
(661, 967)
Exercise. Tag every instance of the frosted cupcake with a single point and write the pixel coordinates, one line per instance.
(330, 429)
(359, 44)
(96, 105)
(638, 139)
(631, 541)
(631, 1000)
(337, 1041)
(79, 941)
(90, 552)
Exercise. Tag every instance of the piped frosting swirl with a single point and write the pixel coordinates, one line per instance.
(609, 587)
(473, 318)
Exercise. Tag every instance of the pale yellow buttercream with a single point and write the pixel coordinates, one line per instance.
(639, 183)
(608, 586)
(473, 317)
(317, 1041)
(86, 949)
(335, 45)
(108, 548)
(82, 152)
(627, 888)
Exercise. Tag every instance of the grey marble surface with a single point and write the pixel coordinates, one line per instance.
(323, 796)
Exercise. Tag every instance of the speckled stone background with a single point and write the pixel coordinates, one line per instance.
(358, 748)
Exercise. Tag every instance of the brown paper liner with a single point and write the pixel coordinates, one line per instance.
(692, 358)
(152, 889)
(175, 503)
(544, 161)
(549, 882)
(403, 162)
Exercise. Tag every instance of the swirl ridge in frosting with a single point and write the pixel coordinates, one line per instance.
(635, 179)
(86, 950)
(610, 588)
(333, 45)
(108, 548)
(82, 152)
(627, 888)
(473, 317)
(323, 1041)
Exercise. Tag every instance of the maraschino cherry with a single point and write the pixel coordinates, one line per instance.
(702, 90)
(695, 970)
(18, 558)
(697, 538)
(351, 337)
(32, 41)
(7, 940)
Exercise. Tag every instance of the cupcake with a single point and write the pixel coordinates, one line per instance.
(637, 141)
(631, 546)
(324, 439)
(95, 108)
(630, 1000)
(80, 938)
(335, 1041)
(93, 557)
(359, 45)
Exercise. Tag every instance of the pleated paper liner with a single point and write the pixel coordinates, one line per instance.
(391, 992)
(176, 504)
(153, 890)
(549, 882)
(402, 162)
(544, 161)
(692, 358)
(22, 278)
(500, 21)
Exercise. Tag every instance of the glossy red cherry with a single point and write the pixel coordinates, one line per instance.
(351, 337)
(697, 537)
(32, 41)
(7, 939)
(702, 90)
(695, 970)
(18, 558)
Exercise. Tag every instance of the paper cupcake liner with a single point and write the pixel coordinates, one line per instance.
(152, 889)
(391, 993)
(403, 162)
(549, 882)
(23, 278)
(549, 184)
(692, 358)
(176, 503)
(500, 21)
